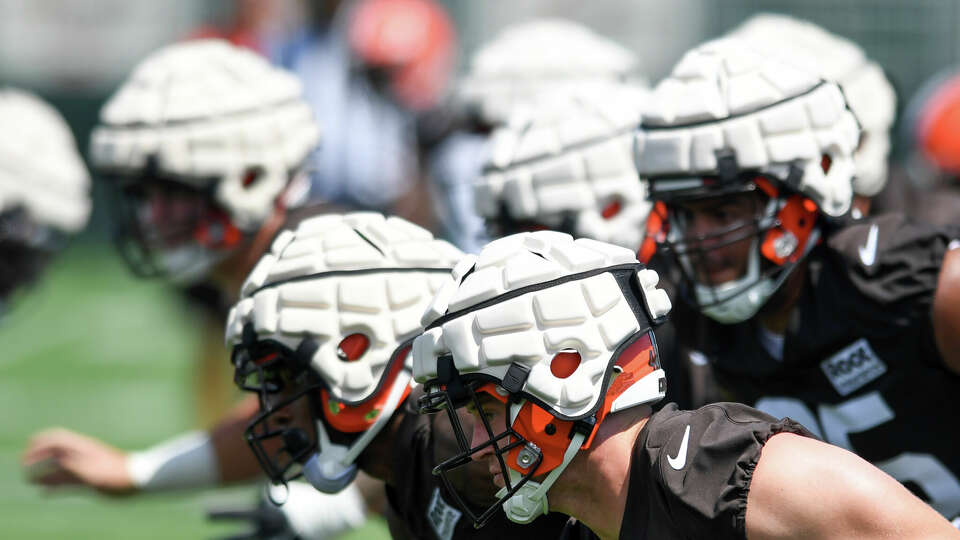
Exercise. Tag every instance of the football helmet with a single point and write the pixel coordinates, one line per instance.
(557, 330)
(866, 88)
(204, 143)
(321, 333)
(44, 187)
(536, 57)
(527, 79)
(410, 43)
(730, 120)
(567, 165)
(931, 130)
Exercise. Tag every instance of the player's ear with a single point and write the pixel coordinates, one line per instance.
(946, 310)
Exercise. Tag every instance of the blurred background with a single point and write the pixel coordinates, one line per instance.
(91, 348)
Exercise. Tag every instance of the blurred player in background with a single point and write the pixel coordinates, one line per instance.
(44, 189)
(205, 146)
(322, 334)
(801, 313)
(559, 61)
(564, 161)
(868, 93)
(370, 68)
(930, 186)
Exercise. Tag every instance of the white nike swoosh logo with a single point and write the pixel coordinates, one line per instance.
(678, 461)
(868, 251)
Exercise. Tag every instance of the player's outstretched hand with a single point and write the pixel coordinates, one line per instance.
(58, 458)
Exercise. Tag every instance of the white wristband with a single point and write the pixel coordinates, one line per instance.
(187, 461)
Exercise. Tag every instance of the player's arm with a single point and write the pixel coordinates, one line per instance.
(946, 310)
(60, 457)
(804, 488)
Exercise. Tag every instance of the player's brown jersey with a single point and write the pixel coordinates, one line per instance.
(690, 471)
(860, 367)
(422, 508)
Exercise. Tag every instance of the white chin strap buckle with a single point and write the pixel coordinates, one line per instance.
(527, 503)
(530, 501)
(328, 476)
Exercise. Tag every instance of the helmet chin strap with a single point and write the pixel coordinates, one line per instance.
(332, 468)
(530, 501)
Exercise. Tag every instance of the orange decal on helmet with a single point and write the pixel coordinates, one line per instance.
(217, 232)
(797, 217)
(655, 232)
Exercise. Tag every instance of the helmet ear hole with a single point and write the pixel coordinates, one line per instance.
(251, 176)
(825, 162)
(353, 347)
(564, 363)
(612, 208)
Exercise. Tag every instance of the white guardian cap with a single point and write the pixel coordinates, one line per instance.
(536, 57)
(567, 165)
(869, 93)
(44, 187)
(205, 140)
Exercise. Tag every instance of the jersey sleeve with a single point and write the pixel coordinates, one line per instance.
(701, 464)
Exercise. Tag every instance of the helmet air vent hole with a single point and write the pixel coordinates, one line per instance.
(825, 162)
(565, 363)
(352, 347)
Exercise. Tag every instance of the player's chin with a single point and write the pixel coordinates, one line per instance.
(498, 480)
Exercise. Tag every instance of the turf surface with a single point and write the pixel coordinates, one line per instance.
(92, 349)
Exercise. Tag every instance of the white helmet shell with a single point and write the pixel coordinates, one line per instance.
(208, 113)
(490, 323)
(541, 55)
(726, 95)
(40, 168)
(572, 155)
(868, 92)
(341, 274)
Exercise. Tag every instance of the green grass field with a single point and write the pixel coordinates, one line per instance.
(92, 349)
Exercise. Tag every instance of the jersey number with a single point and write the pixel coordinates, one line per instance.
(862, 413)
